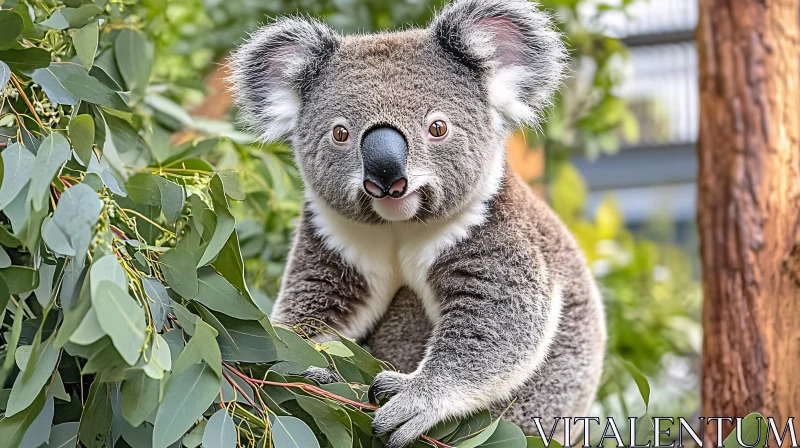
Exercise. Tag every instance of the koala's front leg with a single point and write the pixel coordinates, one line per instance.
(320, 286)
(498, 318)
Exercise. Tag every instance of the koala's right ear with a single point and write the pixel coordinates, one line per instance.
(275, 67)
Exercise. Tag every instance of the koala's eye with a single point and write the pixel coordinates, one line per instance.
(340, 134)
(438, 128)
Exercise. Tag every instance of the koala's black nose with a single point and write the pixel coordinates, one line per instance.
(384, 152)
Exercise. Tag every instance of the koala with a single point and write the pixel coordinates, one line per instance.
(415, 236)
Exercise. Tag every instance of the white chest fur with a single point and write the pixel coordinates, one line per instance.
(391, 256)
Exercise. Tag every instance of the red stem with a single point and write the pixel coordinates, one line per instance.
(310, 388)
(241, 391)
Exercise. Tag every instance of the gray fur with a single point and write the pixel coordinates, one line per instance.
(492, 297)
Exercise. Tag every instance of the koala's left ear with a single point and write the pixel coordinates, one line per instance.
(275, 67)
(513, 45)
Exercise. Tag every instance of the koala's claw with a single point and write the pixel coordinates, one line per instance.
(409, 413)
(386, 383)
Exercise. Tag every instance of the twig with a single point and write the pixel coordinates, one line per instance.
(27, 101)
(241, 391)
(310, 388)
(148, 220)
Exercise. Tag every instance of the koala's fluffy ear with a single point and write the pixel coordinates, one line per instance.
(275, 67)
(513, 44)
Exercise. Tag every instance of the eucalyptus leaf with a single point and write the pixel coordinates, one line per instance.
(331, 419)
(121, 318)
(81, 134)
(161, 303)
(27, 387)
(64, 435)
(53, 152)
(72, 17)
(17, 169)
(13, 428)
(85, 41)
(133, 60)
(291, 432)
(69, 232)
(11, 26)
(186, 396)
(5, 74)
(20, 279)
(76, 80)
(180, 273)
(97, 415)
(220, 432)
(53, 88)
(38, 433)
(140, 397)
(219, 295)
(27, 59)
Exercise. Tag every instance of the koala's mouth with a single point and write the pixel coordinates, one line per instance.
(398, 209)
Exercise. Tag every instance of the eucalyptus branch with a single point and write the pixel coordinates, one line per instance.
(314, 390)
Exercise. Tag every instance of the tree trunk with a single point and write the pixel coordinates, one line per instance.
(749, 208)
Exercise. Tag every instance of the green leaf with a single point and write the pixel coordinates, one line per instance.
(202, 347)
(172, 198)
(81, 134)
(53, 152)
(85, 41)
(641, 382)
(186, 396)
(133, 60)
(538, 442)
(220, 432)
(106, 268)
(225, 223)
(291, 432)
(5, 74)
(362, 358)
(230, 179)
(122, 319)
(337, 348)
(17, 168)
(76, 80)
(97, 415)
(69, 232)
(195, 436)
(331, 419)
(140, 396)
(72, 17)
(180, 272)
(168, 107)
(12, 428)
(481, 437)
(474, 423)
(143, 189)
(507, 435)
(161, 303)
(38, 432)
(27, 59)
(53, 88)
(132, 148)
(217, 294)
(64, 435)
(241, 340)
(10, 28)
(27, 387)
(292, 347)
(753, 429)
(20, 279)
(230, 265)
(160, 359)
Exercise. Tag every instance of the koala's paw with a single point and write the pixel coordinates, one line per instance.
(410, 410)
(322, 375)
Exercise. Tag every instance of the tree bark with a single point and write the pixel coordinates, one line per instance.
(749, 208)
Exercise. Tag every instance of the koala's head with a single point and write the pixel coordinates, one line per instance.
(401, 126)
